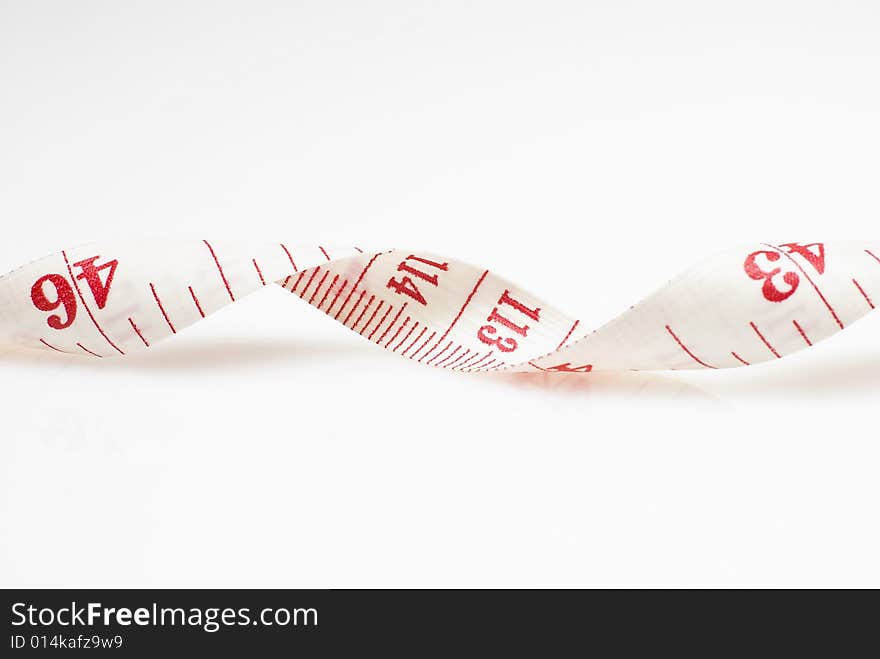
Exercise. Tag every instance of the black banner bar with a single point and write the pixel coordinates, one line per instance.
(414, 622)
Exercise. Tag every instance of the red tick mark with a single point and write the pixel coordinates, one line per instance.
(138, 332)
(686, 349)
(766, 342)
(162, 308)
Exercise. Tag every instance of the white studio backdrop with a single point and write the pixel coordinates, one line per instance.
(586, 150)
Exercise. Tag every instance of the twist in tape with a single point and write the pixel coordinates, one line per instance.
(736, 308)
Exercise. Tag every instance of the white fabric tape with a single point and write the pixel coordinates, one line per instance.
(740, 307)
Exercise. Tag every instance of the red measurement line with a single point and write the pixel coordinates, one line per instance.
(812, 283)
(286, 281)
(259, 272)
(138, 332)
(356, 284)
(324, 252)
(353, 309)
(470, 361)
(195, 299)
(359, 249)
(403, 340)
(396, 318)
(162, 308)
(95, 354)
(449, 356)
(570, 332)
(476, 364)
(399, 330)
(336, 297)
(373, 317)
(287, 251)
(499, 365)
(533, 364)
(376, 329)
(740, 359)
(489, 363)
(415, 340)
(685, 348)
(319, 288)
(49, 345)
(298, 280)
(327, 292)
(309, 282)
(422, 347)
(363, 312)
(89, 311)
(865, 295)
(872, 255)
(766, 342)
(802, 333)
(460, 357)
(465, 363)
(467, 366)
(460, 311)
(220, 269)
(448, 346)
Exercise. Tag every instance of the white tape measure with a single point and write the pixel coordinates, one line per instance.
(737, 308)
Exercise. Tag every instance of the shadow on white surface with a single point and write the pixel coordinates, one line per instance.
(846, 376)
(197, 355)
(623, 382)
(854, 374)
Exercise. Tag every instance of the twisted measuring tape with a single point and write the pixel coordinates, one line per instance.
(737, 308)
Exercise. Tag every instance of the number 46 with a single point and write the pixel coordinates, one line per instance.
(63, 294)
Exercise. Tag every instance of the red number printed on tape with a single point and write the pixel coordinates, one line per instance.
(489, 334)
(91, 273)
(406, 286)
(568, 368)
(773, 277)
(62, 295)
(816, 259)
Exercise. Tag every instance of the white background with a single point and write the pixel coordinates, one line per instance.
(589, 150)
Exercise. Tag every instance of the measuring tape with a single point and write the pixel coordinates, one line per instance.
(740, 307)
